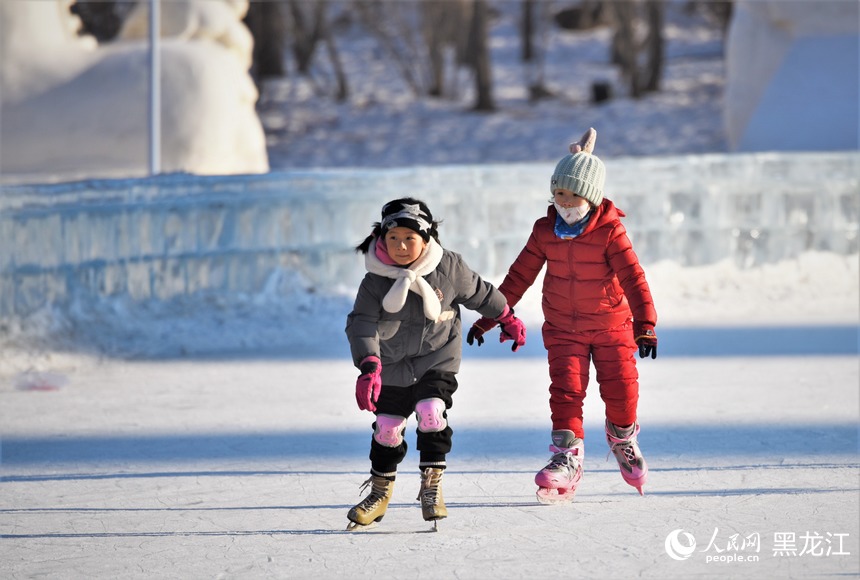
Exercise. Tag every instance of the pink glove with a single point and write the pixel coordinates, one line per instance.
(512, 329)
(369, 384)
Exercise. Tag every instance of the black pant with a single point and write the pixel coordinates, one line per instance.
(401, 401)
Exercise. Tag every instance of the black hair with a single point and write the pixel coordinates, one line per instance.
(364, 246)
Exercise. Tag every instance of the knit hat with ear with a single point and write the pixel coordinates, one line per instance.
(408, 213)
(583, 174)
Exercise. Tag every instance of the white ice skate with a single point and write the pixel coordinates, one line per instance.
(557, 482)
(625, 447)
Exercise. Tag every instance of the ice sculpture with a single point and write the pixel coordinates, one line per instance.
(73, 108)
(793, 76)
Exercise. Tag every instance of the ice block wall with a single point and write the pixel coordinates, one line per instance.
(178, 235)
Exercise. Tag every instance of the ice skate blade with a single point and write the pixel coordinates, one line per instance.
(638, 484)
(356, 527)
(552, 496)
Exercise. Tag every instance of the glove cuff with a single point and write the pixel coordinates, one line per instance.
(643, 330)
(485, 324)
(369, 364)
(506, 315)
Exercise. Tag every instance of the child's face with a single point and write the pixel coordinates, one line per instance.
(566, 198)
(404, 245)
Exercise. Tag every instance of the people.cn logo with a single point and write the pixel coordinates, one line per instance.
(676, 549)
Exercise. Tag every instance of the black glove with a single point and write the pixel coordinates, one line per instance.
(643, 334)
(476, 333)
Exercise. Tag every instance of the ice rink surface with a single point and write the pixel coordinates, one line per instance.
(245, 468)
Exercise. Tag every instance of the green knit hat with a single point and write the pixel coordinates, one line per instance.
(583, 174)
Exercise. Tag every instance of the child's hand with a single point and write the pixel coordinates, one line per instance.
(643, 334)
(478, 329)
(512, 329)
(369, 384)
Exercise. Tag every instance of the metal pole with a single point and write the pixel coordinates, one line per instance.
(154, 87)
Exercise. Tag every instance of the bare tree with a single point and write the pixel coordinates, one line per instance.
(533, 24)
(266, 23)
(479, 57)
(445, 26)
(395, 26)
(342, 92)
(637, 45)
(461, 25)
(307, 22)
(305, 26)
(298, 27)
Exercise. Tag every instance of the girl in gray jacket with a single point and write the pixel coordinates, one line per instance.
(405, 337)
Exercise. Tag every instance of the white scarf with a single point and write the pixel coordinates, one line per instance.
(406, 279)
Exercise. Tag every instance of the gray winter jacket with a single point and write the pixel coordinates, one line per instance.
(407, 342)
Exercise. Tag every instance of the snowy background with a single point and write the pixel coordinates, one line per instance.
(384, 125)
(226, 463)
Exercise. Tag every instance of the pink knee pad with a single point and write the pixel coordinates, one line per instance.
(389, 430)
(430, 415)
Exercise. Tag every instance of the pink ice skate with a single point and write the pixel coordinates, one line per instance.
(557, 481)
(625, 447)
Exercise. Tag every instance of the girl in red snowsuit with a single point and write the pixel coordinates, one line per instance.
(597, 307)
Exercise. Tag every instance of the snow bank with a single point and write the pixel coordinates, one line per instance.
(138, 265)
(793, 76)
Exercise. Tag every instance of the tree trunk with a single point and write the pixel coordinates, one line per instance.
(480, 58)
(306, 34)
(623, 42)
(527, 30)
(265, 21)
(433, 23)
(654, 70)
(533, 52)
(342, 93)
(637, 45)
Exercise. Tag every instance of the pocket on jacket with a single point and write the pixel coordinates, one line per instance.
(439, 333)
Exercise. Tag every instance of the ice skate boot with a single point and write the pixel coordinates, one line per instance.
(432, 505)
(371, 509)
(625, 447)
(557, 481)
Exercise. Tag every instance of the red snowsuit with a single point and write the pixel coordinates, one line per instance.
(592, 290)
